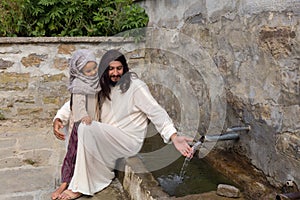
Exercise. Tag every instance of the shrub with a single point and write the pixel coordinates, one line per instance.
(11, 18)
(69, 17)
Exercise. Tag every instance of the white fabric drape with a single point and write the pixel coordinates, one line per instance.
(120, 134)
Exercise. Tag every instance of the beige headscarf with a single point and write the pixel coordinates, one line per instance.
(79, 83)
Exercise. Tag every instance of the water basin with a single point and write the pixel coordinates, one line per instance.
(199, 177)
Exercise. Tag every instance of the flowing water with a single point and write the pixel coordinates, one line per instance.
(183, 168)
(172, 181)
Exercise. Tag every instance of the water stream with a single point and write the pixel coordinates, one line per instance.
(172, 182)
(195, 147)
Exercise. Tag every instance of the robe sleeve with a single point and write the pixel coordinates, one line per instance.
(79, 107)
(144, 101)
(64, 113)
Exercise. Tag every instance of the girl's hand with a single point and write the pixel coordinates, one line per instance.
(86, 120)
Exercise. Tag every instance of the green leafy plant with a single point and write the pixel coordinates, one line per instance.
(69, 17)
(12, 20)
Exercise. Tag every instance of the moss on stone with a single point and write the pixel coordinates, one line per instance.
(1, 116)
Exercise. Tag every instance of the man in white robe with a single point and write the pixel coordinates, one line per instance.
(126, 106)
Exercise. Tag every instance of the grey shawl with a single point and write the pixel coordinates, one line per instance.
(79, 83)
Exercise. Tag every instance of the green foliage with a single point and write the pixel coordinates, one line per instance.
(69, 17)
(11, 18)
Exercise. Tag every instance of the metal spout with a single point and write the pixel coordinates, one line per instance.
(214, 138)
(228, 136)
(233, 129)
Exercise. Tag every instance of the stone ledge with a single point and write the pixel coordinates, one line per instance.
(30, 40)
(139, 183)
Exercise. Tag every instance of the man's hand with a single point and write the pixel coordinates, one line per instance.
(181, 144)
(57, 125)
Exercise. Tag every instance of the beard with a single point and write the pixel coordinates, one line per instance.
(114, 83)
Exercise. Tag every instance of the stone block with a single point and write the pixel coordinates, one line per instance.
(33, 60)
(26, 180)
(14, 81)
(10, 162)
(140, 186)
(27, 111)
(53, 78)
(61, 63)
(288, 145)
(29, 99)
(66, 48)
(36, 157)
(36, 142)
(18, 197)
(290, 122)
(7, 152)
(277, 40)
(228, 191)
(51, 100)
(7, 143)
(5, 64)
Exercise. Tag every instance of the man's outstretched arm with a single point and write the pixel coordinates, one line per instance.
(60, 120)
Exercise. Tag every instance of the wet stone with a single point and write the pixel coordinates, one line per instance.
(228, 191)
(204, 196)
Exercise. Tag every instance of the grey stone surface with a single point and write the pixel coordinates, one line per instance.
(26, 179)
(7, 152)
(30, 169)
(255, 48)
(6, 143)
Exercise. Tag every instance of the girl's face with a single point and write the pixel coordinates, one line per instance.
(115, 71)
(90, 69)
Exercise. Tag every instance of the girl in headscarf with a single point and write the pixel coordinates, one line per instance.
(84, 87)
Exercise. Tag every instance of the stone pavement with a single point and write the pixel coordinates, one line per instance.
(30, 162)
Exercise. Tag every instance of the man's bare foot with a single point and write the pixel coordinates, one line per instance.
(59, 190)
(69, 194)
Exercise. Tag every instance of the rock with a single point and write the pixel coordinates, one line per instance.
(228, 191)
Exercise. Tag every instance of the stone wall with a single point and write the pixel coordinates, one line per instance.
(211, 64)
(250, 49)
(34, 72)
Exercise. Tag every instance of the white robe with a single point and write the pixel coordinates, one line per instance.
(120, 134)
(85, 105)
